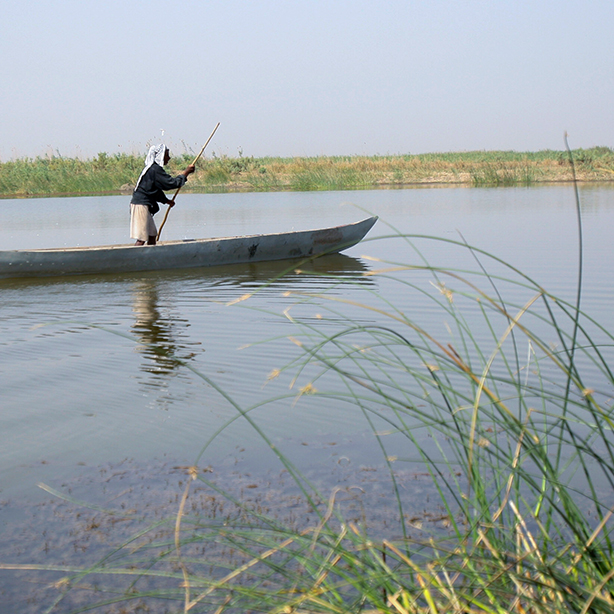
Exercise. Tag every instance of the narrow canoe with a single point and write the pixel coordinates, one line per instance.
(188, 253)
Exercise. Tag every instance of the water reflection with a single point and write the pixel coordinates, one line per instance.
(159, 333)
(323, 271)
(160, 299)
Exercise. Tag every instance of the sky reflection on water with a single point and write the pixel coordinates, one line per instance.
(94, 369)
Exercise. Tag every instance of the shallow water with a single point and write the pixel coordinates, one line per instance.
(75, 393)
(97, 369)
(89, 365)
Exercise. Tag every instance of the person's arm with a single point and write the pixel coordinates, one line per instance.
(161, 197)
(163, 181)
(167, 179)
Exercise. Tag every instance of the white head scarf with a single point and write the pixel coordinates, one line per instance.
(155, 154)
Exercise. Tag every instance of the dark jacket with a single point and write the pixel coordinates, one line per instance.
(150, 191)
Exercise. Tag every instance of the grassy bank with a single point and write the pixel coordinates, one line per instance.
(117, 173)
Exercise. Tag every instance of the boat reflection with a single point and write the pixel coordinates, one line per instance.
(335, 265)
(317, 274)
(159, 301)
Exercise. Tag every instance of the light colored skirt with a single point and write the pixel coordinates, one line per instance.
(142, 225)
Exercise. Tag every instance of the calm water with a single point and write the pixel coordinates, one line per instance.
(92, 369)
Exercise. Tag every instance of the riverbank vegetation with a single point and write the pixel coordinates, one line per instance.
(57, 175)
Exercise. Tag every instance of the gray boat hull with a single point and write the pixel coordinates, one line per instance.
(181, 254)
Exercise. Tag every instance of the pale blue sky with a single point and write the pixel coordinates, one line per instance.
(305, 77)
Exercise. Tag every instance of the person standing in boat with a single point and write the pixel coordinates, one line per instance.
(149, 191)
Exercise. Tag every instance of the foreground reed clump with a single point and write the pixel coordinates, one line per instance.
(507, 410)
(106, 173)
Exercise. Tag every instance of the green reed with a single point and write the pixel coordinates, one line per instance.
(57, 175)
(106, 173)
(501, 175)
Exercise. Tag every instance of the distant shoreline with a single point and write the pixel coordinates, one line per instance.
(115, 174)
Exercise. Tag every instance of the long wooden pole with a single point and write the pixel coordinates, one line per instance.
(200, 153)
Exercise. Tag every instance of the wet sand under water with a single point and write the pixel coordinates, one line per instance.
(123, 500)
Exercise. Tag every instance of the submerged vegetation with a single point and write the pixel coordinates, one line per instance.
(106, 173)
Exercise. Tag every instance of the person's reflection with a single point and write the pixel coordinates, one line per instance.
(158, 333)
